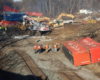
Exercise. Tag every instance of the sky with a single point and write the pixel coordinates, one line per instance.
(17, 0)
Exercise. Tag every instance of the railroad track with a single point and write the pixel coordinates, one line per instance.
(70, 75)
(33, 68)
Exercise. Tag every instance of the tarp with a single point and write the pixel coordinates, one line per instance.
(34, 13)
(6, 8)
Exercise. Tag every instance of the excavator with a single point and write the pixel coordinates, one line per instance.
(34, 25)
(59, 21)
(39, 19)
(64, 14)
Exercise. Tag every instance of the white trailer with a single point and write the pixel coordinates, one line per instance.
(85, 11)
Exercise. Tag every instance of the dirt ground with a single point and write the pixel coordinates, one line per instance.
(54, 65)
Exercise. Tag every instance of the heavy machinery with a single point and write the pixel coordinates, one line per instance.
(64, 14)
(35, 26)
(91, 21)
(59, 20)
(39, 19)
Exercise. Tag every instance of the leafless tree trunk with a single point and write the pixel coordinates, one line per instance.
(46, 7)
(72, 7)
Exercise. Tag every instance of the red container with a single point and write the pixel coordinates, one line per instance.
(9, 23)
(93, 47)
(7, 9)
(34, 14)
(76, 53)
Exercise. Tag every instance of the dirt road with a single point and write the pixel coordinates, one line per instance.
(54, 65)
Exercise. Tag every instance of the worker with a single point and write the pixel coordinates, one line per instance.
(0, 28)
(50, 22)
(39, 48)
(35, 48)
(36, 39)
(5, 29)
(47, 48)
(56, 47)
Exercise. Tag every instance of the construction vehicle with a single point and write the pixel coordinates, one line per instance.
(35, 26)
(59, 20)
(39, 19)
(64, 14)
(91, 21)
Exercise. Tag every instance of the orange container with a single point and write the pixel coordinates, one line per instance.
(93, 47)
(76, 53)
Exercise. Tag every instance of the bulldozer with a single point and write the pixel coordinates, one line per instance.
(91, 21)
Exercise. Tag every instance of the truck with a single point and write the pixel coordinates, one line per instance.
(85, 11)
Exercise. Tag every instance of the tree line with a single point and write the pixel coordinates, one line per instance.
(52, 8)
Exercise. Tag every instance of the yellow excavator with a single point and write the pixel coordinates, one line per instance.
(59, 20)
(39, 19)
(64, 14)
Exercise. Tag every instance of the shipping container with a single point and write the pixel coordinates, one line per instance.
(5, 23)
(76, 53)
(34, 14)
(13, 16)
(6, 9)
(93, 47)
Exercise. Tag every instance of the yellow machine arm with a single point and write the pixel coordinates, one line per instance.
(64, 14)
(40, 18)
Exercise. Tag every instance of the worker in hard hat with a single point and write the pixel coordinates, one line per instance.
(5, 29)
(0, 28)
(47, 48)
(39, 48)
(35, 48)
(56, 47)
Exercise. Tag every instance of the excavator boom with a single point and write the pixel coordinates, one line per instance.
(64, 14)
